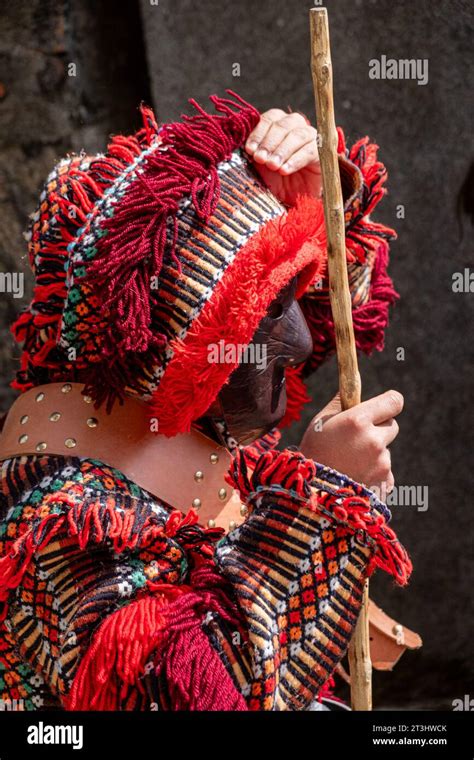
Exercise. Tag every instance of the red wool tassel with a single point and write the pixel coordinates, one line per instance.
(356, 514)
(289, 470)
(195, 675)
(77, 191)
(297, 395)
(119, 651)
(370, 319)
(168, 630)
(184, 163)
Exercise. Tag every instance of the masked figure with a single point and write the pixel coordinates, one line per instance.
(158, 551)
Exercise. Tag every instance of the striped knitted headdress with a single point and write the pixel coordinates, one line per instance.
(145, 256)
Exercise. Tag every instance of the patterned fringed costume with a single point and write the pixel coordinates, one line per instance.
(109, 597)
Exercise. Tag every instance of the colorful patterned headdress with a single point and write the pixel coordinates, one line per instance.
(146, 255)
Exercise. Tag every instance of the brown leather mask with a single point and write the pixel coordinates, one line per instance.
(254, 399)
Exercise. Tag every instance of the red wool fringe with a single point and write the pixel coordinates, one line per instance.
(355, 512)
(132, 251)
(362, 233)
(195, 675)
(78, 192)
(369, 319)
(362, 236)
(94, 524)
(283, 248)
(13, 565)
(296, 395)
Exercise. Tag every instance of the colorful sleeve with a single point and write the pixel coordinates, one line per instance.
(105, 601)
(297, 566)
(363, 178)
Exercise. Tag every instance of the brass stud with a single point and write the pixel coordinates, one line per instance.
(243, 510)
(24, 419)
(23, 439)
(196, 503)
(70, 443)
(92, 422)
(232, 525)
(41, 446)
(67, 388)
(55, 416)
(39, 397)
(222, 494)
(211, 523)
(399, 633)
(198, 476)
(87, 399)
(214, 458)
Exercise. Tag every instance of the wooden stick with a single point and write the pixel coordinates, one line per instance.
(341, 305)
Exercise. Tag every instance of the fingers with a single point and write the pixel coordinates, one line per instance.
(388, 431)
(381, 475)
(381, 408)
(258, 133)
(356, 441)
(283, 141)
(294, 161)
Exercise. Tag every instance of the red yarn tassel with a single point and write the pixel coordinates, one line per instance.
(195, 675)
(184, 163)
(168, 630)
(370, 319)
(356, 513)
(115, 661)
(296, 395)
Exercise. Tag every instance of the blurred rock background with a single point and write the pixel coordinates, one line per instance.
(164, 51)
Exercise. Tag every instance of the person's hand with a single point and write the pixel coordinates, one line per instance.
(284, 149)
(356, 441)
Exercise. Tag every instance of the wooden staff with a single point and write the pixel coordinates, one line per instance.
(341, 305)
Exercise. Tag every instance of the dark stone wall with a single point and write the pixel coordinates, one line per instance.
(46, 113)
(425, 138)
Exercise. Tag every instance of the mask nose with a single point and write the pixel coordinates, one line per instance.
(295, 337)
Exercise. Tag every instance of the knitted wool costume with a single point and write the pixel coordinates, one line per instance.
(110, 598)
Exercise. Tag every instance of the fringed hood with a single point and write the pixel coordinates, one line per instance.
(146, 255)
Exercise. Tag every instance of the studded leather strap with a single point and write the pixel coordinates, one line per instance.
(184, 471)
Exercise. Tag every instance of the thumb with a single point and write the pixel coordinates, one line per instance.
(332, 408)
